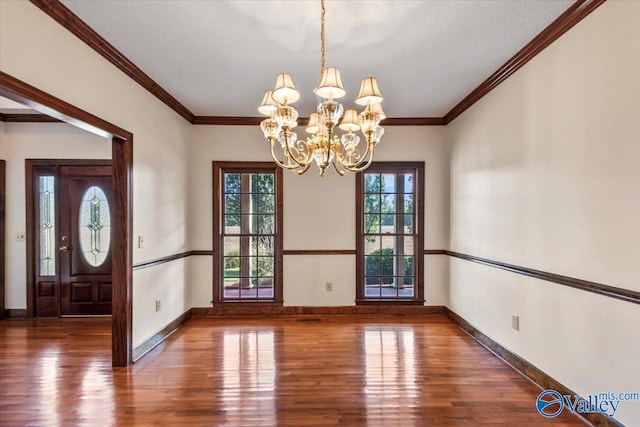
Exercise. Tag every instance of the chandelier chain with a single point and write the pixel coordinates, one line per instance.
(322, 36)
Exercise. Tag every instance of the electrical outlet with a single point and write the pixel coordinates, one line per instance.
(20, 236)
(515, 322)
(158, 305)
(328, 286)
(140, 242)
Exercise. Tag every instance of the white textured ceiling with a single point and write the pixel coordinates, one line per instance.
(218, 57)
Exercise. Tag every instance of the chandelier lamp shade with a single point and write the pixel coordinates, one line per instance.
(323, 146)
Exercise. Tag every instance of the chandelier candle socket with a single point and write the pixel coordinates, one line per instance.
(323, 146)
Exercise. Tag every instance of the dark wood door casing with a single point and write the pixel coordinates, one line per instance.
(46, 295)
(3, 193)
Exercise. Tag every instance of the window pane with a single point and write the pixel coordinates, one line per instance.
(408, 245)
(372, 265)
(407, 292)
(265, 287)
(388, 243)
(263, 224)
(265, 266)
(408, 270)
(372, 203)
(373, 290)
(232, 224)
(231, 288)
(408, 224)
(371, 224)
(47, 227)
(388, 203)
(408, 203)
(265, 246)
(264, 203)
(232, 182)
(388, 224)
(372, 245)
(231, 266)
(388, 183)
(232, 203)
(408, 183)
(94, 226)
(231, 246)
(372, 183)
(262, 183)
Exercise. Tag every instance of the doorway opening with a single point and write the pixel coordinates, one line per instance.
(122, 158)
(69, 242)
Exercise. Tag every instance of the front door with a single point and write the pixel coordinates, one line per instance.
(72, 226)
(85, 240)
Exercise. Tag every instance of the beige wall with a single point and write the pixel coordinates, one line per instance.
(39, 51)
(319, 213)
(544, 175)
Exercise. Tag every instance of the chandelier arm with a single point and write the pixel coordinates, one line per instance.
(338, 159)
(354, 166)
(369, 147)
(287, 151)
(302, 146)
(344, 159)
(279, 163)
(303, 170)
(335, 166)
(362, 165)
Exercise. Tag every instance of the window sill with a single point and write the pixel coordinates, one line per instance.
(247, 303)
(371, 301)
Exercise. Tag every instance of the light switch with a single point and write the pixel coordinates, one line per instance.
(140, 242)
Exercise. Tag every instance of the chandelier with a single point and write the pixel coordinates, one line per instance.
(323, 146)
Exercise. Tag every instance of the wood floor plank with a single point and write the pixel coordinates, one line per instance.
(344, 370)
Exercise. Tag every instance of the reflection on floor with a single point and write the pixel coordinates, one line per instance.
(341, 370)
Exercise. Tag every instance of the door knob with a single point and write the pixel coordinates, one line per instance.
(63, 248)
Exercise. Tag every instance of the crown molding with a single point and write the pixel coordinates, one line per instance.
(413, 121)
(65, 17)
(61, 14)
(228, 120)
(574, 14)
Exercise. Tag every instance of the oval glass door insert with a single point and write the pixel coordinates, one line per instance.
(95, 226)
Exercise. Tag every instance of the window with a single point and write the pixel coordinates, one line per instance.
(95, 226)
(247, 227)
(47, 224)
(390, 239)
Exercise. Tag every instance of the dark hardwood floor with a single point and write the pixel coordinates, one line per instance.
(322, 371)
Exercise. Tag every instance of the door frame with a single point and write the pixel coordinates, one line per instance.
(3, 194)
(31, 226)
(122, 158)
